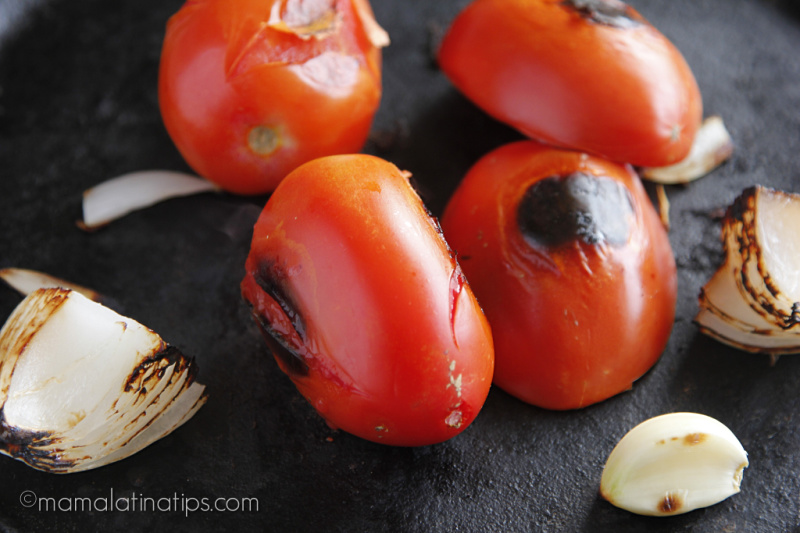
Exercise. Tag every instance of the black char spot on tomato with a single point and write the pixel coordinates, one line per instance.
(292, 362)
(272, 279)
(612, 13)
(561, 209)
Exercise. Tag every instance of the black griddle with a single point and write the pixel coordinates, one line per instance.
(78, 105)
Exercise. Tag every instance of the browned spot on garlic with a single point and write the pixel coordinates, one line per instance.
(670, 504)
(694, 438)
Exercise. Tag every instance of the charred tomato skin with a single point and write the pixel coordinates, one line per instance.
(365, 307)
(250, 89)
(590, 75)
(576, 314)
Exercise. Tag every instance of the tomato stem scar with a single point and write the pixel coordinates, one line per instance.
(263, 140)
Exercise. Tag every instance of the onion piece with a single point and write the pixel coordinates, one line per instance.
(82, 386)
(663, 205)
(26, 281)
(712, 146)
(753, 301)
(376, 34)
(124, 194)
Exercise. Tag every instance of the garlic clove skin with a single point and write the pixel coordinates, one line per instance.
(673, 464)
(82, 386)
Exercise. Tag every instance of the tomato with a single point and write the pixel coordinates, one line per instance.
(364, 306)
(590, 75)
(250, 89)
(572, 266)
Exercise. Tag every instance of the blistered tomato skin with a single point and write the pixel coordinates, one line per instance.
(590, 75)
(572, 267)
(251, 89)
(364, 306)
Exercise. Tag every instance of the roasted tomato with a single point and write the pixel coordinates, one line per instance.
(250, 89)
(572, 266)
(590, 75)
(364, 306)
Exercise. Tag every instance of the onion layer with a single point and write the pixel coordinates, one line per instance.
(124, 194)
(711, 147)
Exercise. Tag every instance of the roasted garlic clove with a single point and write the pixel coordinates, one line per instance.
(753, 301)
(673, 464)
(82, 386)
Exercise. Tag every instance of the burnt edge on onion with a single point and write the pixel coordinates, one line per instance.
(614, 14)
(743, 214)
(271, 277)
(578, 206)
(25, 445)
(167, 356)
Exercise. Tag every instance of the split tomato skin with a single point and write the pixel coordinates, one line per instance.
(251, 89)
(572, 267)
(589, 75)
(364, 306)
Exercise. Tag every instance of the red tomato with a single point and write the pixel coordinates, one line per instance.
(364, 306)
(591, 75)
(573, 268)
(250, 89)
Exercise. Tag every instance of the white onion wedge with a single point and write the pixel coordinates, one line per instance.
(753, 301)
(672, 464)
(119, 196)
(712, 146)
(82, 386)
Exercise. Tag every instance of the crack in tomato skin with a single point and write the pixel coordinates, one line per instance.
(282, 82)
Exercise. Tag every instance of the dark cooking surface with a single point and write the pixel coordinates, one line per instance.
(78, 105)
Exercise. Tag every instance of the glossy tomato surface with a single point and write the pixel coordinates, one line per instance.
(590, 75)
(250, 89)
(572, 266)
(364, 306)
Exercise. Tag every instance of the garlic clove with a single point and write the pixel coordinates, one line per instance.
(81, 386)
(711, 147)
(673, 464)
(752, 302)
